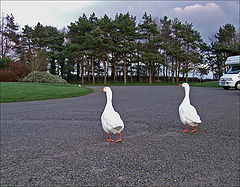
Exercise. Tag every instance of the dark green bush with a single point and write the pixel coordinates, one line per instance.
(4, 61)
(44, 77)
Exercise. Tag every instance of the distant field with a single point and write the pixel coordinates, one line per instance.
(21, 91)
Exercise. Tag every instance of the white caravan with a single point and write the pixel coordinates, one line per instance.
(232, 77)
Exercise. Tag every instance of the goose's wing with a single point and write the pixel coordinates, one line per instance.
(190, 113)
(112, 119)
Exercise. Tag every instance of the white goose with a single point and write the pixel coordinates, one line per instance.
(187, 112)
(111, 120)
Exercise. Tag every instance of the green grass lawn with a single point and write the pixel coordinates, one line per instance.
(22, 91)
(212, 84)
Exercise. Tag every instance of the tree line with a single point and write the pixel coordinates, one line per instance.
(92, 48)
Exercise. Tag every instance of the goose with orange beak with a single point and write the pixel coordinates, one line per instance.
(111, 120)
(187, 113)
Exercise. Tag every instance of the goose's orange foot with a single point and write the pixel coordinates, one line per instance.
(118, 141)
(120, 138)
(195, 129)
(110, 139)
(186, 129)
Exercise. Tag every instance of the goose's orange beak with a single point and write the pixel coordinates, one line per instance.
(102, 90)
(180, 84)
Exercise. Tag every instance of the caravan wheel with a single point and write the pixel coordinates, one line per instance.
(237, 85)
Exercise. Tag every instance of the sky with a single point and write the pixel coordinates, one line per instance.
(206, 16)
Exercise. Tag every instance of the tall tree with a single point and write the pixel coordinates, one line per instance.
(77, 35)
(226, 44)
(165, 28)
(106, 26)
(150, 39)
(191, 44)
(9, 36)
(38, 45)
(177, 53)
(126, 28)
(54, 42)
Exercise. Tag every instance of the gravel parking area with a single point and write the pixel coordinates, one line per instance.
(61, 142)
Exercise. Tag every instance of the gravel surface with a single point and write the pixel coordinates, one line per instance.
(61, 142)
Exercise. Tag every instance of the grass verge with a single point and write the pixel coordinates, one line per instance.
(211, 84)
(22, 91)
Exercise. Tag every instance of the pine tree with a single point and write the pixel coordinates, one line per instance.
(226, 44)
(77, 35)
(166, 33)
(126, 29)
(106, 26)
(150, 39)
(191, 44)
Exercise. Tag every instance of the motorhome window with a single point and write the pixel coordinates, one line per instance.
(234, 70)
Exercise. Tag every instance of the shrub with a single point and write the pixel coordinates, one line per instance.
(44, 77)
(19, 68)
(7, 76)
(4, 61)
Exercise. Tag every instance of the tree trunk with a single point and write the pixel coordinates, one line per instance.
(93, 69)
(125, 72)
(131, 73)
(177, 71)
(116, 74)
(107, 67)
(187, 64)
(187, 76)
(139, 73)
(150, 74)
(173, 79)
(154, 73)
(82, 72)
(88, 71)
(166, 73)
(105, 70)
(114, 68)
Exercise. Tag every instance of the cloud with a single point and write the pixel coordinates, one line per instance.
(46, 12)
(207, 12)
(206, 18)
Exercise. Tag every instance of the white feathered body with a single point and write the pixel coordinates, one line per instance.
(111, 120)
(187, 113)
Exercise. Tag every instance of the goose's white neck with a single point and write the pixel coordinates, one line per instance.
(186, 98)
(109, 101)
